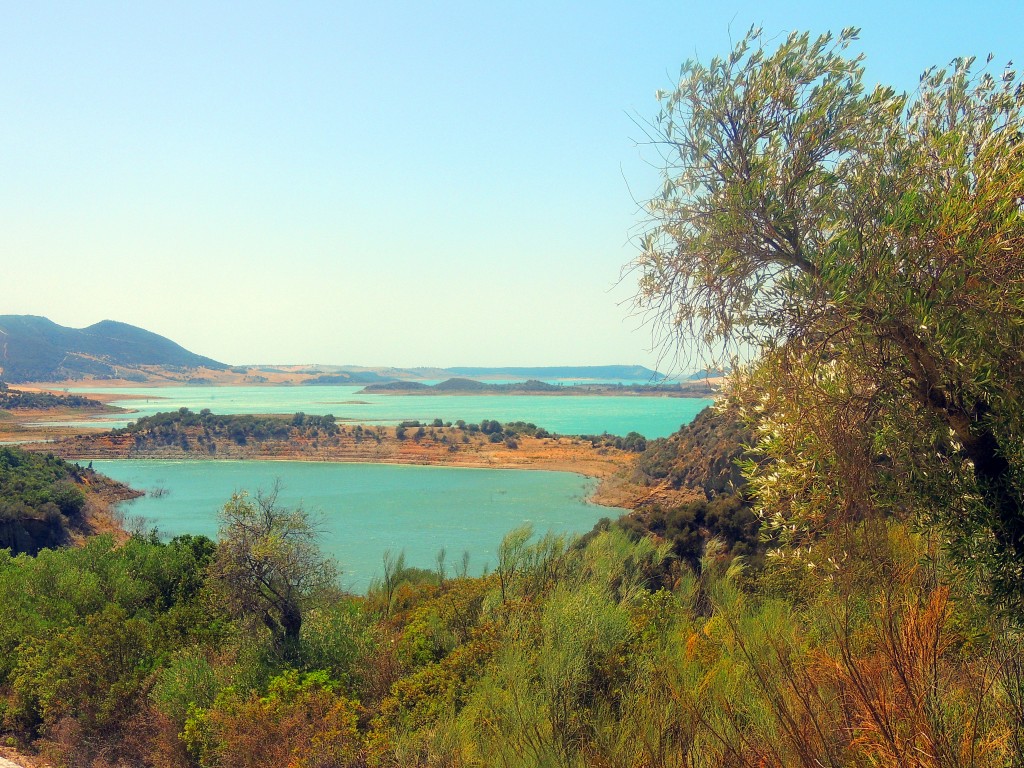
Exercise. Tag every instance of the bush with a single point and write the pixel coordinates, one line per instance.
(301, 722)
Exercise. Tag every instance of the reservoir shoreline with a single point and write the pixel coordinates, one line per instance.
(612, 467)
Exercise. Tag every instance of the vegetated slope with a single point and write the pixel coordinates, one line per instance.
(37, 349)
(563, 656)
(44, 500)
(700, 456)
(696, 489)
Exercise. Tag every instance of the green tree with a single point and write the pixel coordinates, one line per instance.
(864, 249)
(268, 565)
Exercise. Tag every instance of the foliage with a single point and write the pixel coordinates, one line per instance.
(301, 722)
(40, 498)
(174, 427)
(727, 519)
(857, 652)
(82, 629)
(268, 565)
(32, 483)
(864, 250)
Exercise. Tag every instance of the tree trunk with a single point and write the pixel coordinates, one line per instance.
(980, 444)
(291, 624)
(993, 473)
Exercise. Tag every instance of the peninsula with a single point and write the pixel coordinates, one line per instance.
(204, 436)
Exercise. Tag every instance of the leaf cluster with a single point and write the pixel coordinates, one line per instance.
(862, 251)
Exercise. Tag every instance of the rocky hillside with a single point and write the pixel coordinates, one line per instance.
(701, 457)
(37, 349)
(692, 490)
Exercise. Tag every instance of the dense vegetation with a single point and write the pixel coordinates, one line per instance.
(862, 252)
(41, 497)
(613, 653)
(188, 429)
(13, 399)
(38, 484)
(701, 462)
(177, 427)
(702, 455)
(508, 432)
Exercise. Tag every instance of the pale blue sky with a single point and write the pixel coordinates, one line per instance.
(382, 183)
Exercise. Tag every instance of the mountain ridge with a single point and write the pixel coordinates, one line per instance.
(34, 348)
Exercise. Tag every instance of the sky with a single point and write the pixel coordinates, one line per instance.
(374, 183)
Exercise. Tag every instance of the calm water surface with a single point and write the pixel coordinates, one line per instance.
(566, 414)
(368, 508)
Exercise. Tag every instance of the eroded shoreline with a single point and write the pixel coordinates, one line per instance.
(352, 443)
(440, 446)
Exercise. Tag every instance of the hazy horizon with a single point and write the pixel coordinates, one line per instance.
(440, 185)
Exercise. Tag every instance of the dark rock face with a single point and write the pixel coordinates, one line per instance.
(29, 535)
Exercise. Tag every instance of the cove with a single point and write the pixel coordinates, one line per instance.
(365, 509)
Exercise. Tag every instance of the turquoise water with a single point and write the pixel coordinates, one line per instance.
(565, 414)
(365, 509)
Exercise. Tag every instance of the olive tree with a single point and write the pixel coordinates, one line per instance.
(862, 251)
(268, 564)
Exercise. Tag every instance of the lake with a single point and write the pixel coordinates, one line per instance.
(566, 414)
(366, 509)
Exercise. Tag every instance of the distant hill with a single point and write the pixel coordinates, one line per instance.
(463, 386)
(346, 378)
(611, 372)
(37, 349)
(708, 373)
